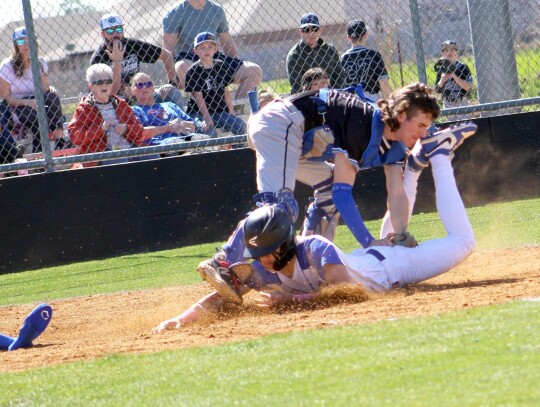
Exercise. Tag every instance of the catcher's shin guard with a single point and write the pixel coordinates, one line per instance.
(217, 273)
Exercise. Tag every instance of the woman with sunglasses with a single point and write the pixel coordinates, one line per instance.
(18, 90)
(310, 52)
(103, 121)
(165, 122)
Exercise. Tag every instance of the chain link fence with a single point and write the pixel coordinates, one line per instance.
(482, 56)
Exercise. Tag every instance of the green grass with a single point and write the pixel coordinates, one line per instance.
(496, 226)
(482, 356)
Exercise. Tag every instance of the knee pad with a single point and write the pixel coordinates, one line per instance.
(284, 197)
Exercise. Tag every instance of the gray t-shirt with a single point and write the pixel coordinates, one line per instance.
(188, 22)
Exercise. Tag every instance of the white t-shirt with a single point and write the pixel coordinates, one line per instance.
(21, 87)
(114, 140)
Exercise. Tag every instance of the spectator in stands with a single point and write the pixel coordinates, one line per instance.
(18, 90)
(266, 96)
(9, 150)
(315, 79)
(125, 56)
(311, 52)
(165, 122)
(364, 66)
(208, 80)
(103, 121)
(181, 25)
(454, 79)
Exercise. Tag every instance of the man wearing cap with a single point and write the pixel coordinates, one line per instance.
(181, 25)
(124, 56)
(364, 66)
(454, 79)
(312, 52)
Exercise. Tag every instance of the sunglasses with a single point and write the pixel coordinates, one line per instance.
(310, 29)
(110, 31)
(102, 82)
(141, 85)
(21, 41)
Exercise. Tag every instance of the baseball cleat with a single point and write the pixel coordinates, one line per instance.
(447, 140)
(222, 279)
(34, 325)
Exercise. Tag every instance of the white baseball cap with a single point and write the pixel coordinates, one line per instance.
(110, 20)
(20, 32)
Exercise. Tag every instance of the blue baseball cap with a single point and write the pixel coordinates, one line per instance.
(309, 19)
(19, 33)
(204, 37)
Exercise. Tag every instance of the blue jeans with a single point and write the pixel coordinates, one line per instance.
(229, 122)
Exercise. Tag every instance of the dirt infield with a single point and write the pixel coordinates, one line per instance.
(90, 327)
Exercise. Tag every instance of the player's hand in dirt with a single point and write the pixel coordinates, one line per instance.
(165, 325)
(272, 299)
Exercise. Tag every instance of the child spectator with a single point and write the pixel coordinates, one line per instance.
(266, 96)
(207, 80)
(454, 79)
(364, 66)
(102, 121)
(315, 79)
(18, 90)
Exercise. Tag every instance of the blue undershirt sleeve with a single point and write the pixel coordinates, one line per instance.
(343, 199)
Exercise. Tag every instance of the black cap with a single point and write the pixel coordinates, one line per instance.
(356, 28)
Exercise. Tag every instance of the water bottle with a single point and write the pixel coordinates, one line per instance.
(253, 101)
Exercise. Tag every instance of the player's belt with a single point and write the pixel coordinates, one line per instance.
(375, 253)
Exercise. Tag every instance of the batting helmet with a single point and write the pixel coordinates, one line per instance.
(270, 230)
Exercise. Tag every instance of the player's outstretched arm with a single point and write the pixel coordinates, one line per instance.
(398, 204)
(202, 309)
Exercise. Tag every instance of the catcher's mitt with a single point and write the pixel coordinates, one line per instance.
(404, 239)
(222, 279)
(444, 65)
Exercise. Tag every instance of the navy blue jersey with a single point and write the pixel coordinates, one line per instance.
(364, 66)
(451, 91)
(347, 115)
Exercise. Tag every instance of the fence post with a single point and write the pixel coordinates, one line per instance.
(418, 43)
(36, 75)
(493, 49)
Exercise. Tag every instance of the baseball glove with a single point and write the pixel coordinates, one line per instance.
(444, 65)
(404, 239)
(222, 279)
